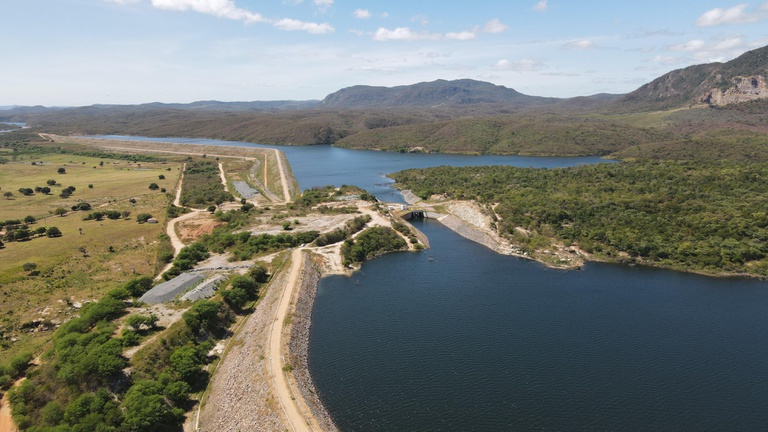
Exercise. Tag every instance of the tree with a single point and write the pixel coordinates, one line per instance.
(90, 186)
(21, 234)
(153, 186)
(84, 206)
(8, 195)
(136, 321)
(143, 217)
(45, 189)
(61, 171)
(146, 408)
(26, 191)
(53, 232)
(211, 208)
(161, 177)
(125, 214)
(51, 182)
(29, 219)
(137, 287)
(28, 267)
(40, 230)
(60, 211)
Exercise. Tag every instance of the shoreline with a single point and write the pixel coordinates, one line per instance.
(298, 344)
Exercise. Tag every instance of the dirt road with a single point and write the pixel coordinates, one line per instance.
(283, 177)
(177, 200)
(298, 421)
(6, 422)
(223, 179)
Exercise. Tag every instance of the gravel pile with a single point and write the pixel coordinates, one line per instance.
(245, 190)
(204, 290)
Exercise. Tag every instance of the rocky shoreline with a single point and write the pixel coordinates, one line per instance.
(299, 342)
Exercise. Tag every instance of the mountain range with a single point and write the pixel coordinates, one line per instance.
(715, 109)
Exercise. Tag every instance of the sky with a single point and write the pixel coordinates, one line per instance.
(84, 52)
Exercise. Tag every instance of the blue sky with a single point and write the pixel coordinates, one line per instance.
(82, 52)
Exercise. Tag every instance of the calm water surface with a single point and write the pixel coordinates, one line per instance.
(458, 338)
(325, 165)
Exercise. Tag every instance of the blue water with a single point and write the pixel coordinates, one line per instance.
(324, 165)
(458, 338)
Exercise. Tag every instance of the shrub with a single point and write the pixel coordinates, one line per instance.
(143, 217)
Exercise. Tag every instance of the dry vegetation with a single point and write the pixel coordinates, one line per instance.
(75, 267)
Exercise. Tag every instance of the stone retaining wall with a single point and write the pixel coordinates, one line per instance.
(299, 343)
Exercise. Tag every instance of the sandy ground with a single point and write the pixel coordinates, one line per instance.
(165, 317)
(6, 422)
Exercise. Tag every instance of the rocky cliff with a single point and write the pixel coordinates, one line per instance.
(742, 89)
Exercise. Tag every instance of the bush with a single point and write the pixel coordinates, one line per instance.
(153, 186)
(137, 287)
(143, 217)
(53, 232)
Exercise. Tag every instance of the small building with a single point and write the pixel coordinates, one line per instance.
(152, 220)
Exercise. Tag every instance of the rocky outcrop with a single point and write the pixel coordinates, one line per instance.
(743, 89)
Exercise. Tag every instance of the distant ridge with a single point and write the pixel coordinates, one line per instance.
(432, 94)
(740, 80)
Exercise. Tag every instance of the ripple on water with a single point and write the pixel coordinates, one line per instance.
(471, 340)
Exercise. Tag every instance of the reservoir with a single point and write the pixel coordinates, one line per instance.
(322, 165)
(458, 338)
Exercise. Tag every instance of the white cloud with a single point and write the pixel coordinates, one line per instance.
(579, 45)
(735, 15)
(523, 65)
(693, 45)
(541, 5)
(403, 34)
(362, 13)
(464, 35)
(666, 60)
(218, 8)
(293, 25)
(323, 4)
(699, 51)
(494, 26)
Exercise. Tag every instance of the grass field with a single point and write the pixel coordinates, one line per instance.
(75, 267)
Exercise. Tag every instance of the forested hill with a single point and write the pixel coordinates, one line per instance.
(697, 216)
(435, 93)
